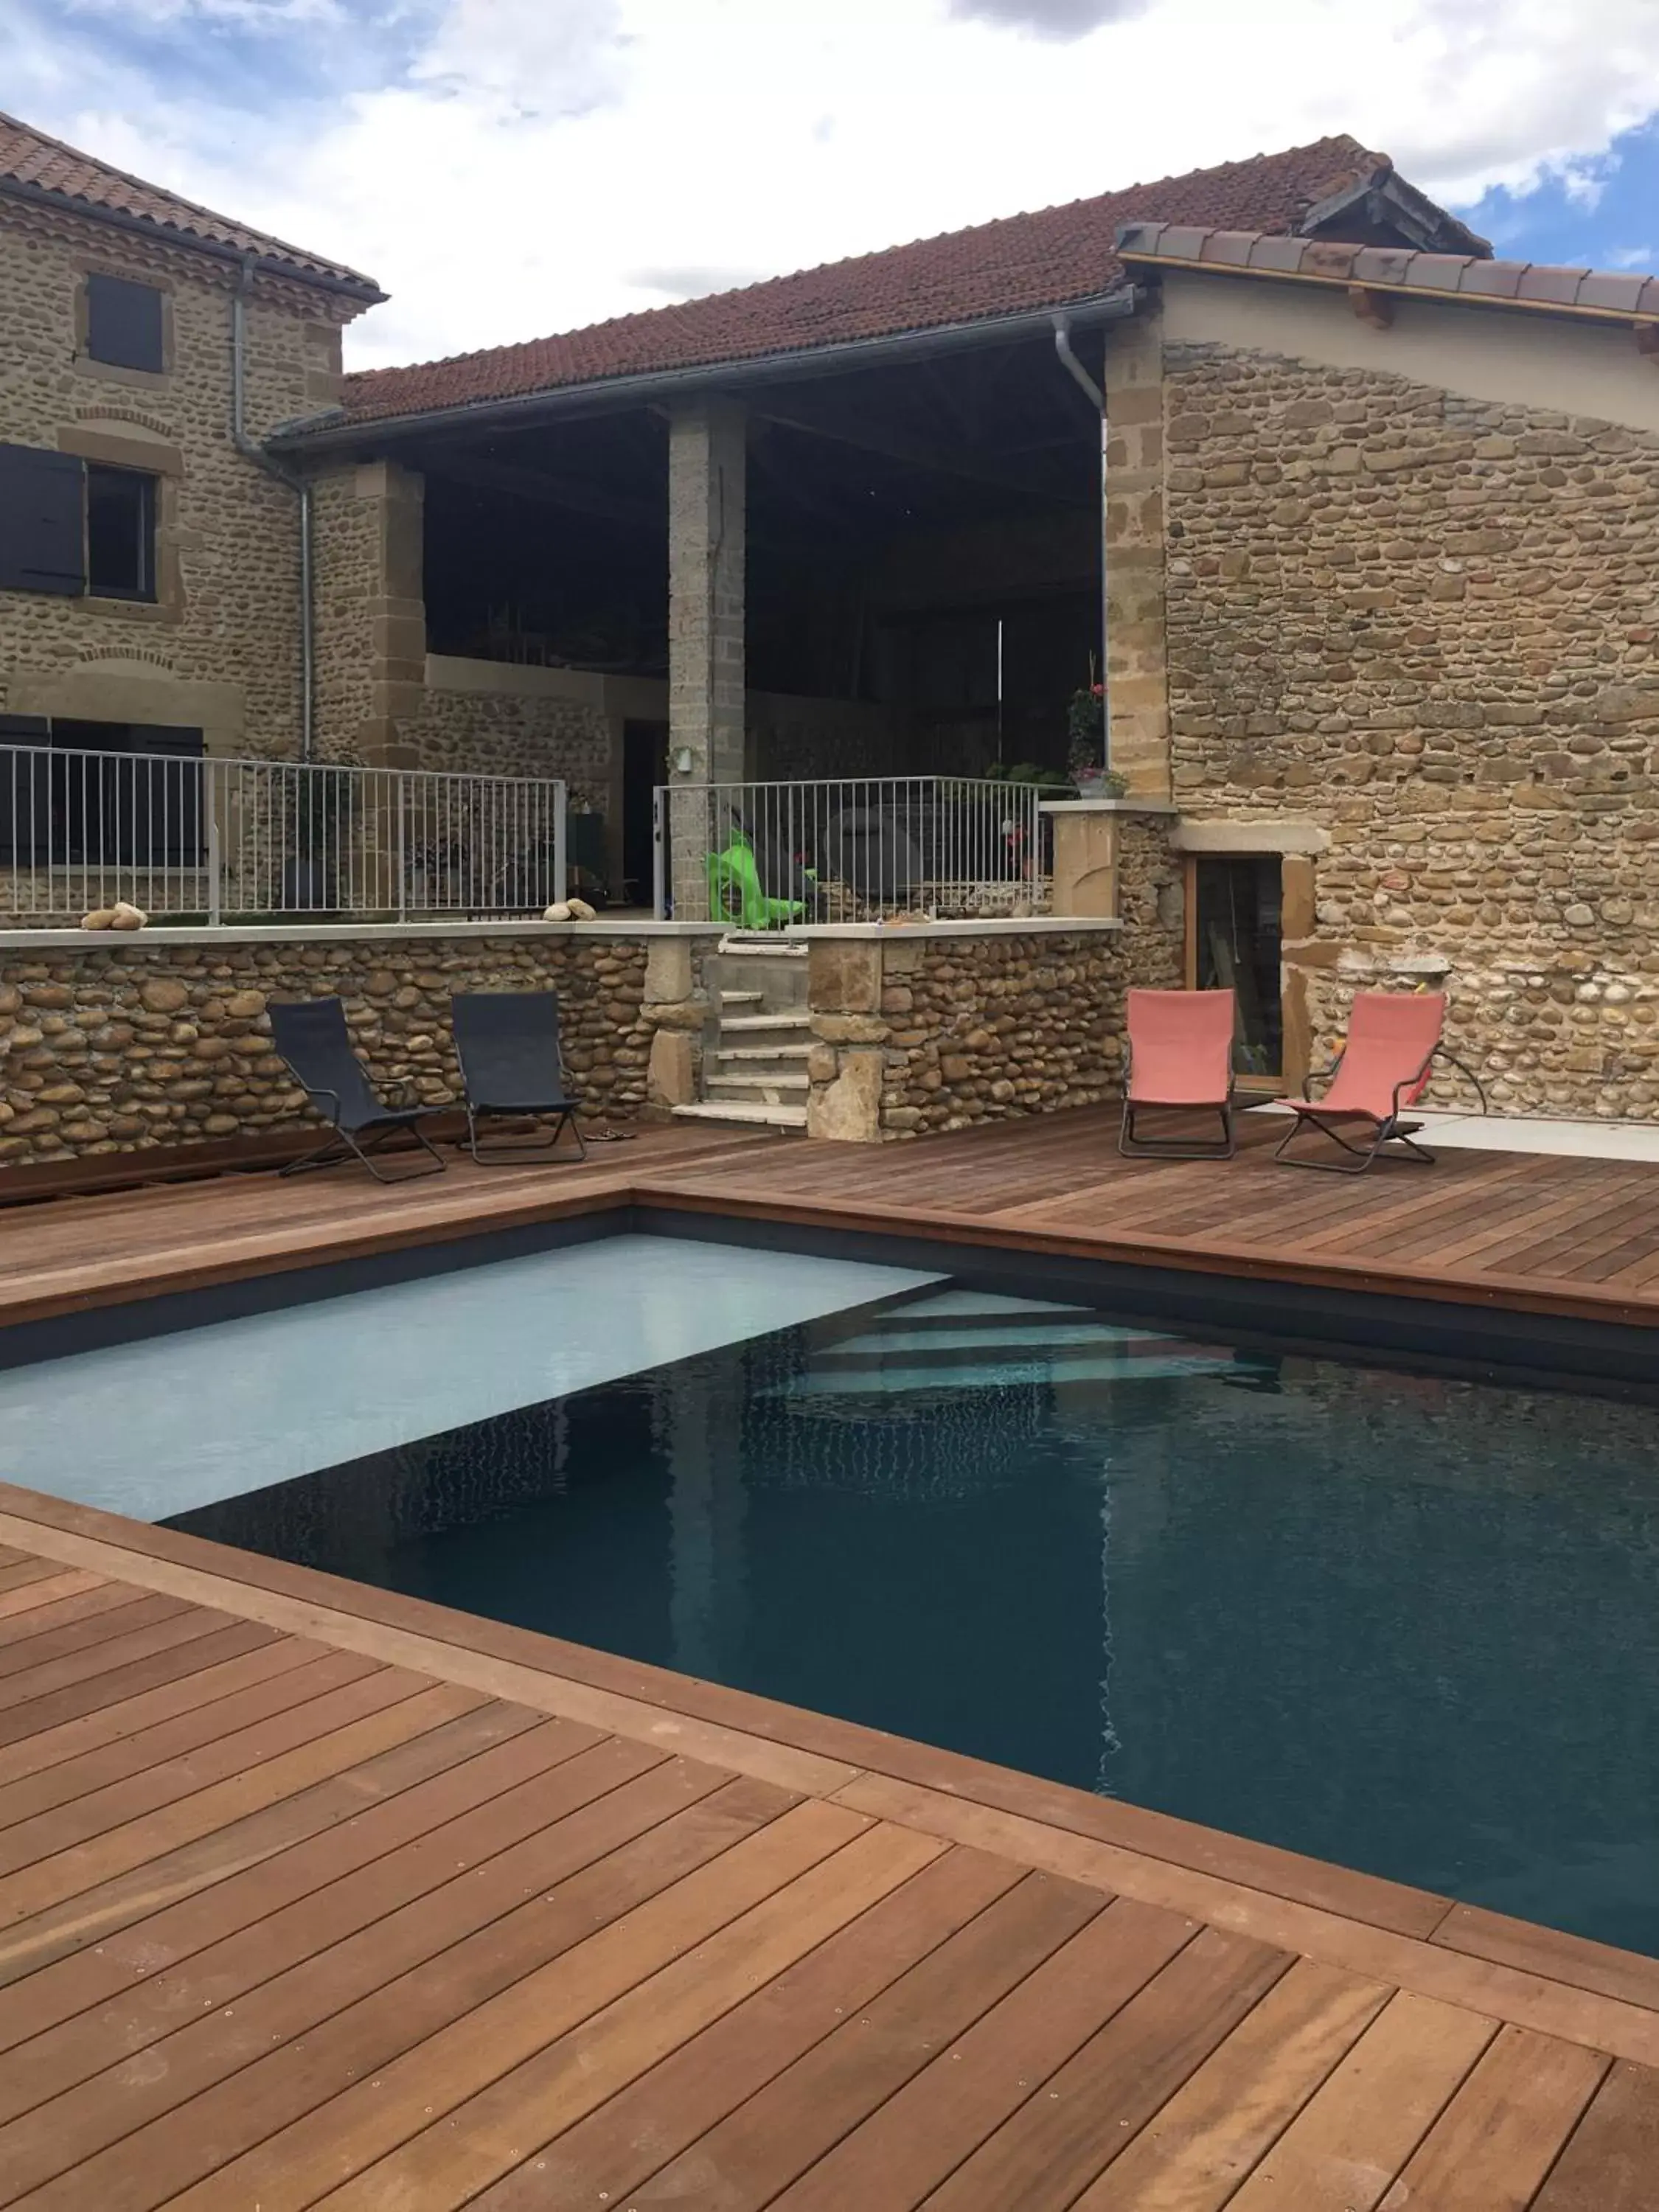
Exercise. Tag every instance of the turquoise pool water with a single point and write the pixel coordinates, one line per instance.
(1409, 1625)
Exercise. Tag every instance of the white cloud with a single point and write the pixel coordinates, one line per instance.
(542, 163)
(1629, 257)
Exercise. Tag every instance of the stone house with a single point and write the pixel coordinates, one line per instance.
(1376, 568)
(150, 566)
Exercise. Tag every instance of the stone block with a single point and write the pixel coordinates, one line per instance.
(848, 1109)
(668, 971)
(844, 977)
(671, 1072)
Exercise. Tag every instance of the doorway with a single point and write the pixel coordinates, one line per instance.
(1235, 906)
(645, 766)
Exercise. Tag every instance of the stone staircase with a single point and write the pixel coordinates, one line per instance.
(755, 1071)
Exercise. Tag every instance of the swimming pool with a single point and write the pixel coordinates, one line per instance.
(1402, 1623)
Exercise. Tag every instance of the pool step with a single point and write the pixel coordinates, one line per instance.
(736, 1109)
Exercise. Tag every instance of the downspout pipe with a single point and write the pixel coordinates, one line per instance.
(252, 451)
(1097, 397)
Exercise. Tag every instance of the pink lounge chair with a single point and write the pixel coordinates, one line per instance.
(1393, 1038)
(1179, 1060)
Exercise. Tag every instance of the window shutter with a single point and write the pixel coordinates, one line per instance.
(124, 323)
(42, 529)
(25, 789)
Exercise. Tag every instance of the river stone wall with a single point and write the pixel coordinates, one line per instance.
(915, 1031)
(117, 1046)
(1430, 625)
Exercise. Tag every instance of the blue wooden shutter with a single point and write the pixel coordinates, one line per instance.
(124, 323)
(42, 521)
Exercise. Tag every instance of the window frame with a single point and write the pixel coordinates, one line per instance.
(147, 591)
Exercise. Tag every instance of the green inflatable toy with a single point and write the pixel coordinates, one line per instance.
(735, 889)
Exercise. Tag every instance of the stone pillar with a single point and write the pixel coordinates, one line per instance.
(707, 454)
(847, 1064)
(1084, 832)
(1137, 660)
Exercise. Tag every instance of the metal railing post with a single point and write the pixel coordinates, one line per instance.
(560, 796)
(658, 854)
(215, 886)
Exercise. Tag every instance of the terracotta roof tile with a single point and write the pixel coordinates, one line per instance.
(1447, 275)
(1024, 262)
(46, 165)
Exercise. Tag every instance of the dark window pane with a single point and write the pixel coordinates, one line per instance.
(41, 524)
(1238, 950)
(124, 323)
(120, 534)
(108, 806)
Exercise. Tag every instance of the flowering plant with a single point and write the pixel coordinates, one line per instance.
(1085, 724)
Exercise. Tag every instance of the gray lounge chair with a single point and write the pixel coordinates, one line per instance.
(508, 1044)
(312, 1036)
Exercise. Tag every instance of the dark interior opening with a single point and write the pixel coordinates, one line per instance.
(1238, 949)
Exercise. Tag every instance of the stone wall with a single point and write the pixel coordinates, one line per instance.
(918, 1030)
(1429, 625)
(506, 733)
(219, 648)
(116, 1047)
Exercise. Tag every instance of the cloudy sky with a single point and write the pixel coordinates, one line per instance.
(505, 168)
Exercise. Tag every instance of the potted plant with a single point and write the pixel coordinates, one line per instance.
(320, 822)
(1085, 725)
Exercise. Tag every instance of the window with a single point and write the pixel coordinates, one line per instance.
(124, 323)
(76, 793)
(120, 533)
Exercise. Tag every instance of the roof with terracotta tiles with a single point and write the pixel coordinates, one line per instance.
(1392, 269)
(1052, 259)
(35, 166)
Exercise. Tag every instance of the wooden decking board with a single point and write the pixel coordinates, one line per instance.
(347, 1687)
(62, 1612)
(206, 1861)
(133, 1717)
(1343, 2150)
(684, 2096)
(50, 1590)
(112, 1661)
(390, 1711)
(979, 2077)
(1531, 1949)
(1610, 2161)
(24, 1658)
(48, 1710)
(1194, 2152)
(804, 2112)
(227, 2080)
(1493, 2146)
(559, 2083)
(284, 1938)
(1073, 2125)
(279, 1910)
(337, 2118)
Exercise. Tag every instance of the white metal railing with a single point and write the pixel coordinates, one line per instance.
(219, 840)
(762, 855)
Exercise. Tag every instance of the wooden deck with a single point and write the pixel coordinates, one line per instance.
(1575, 1237)
(312, 1894)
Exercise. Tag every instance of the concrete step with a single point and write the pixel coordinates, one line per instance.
(753, 1080)
(746, 1022)
(743, 998)
(736, 1109)
(762, 948)
(763, 1052)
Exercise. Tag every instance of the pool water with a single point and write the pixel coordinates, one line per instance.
(1410, 1625)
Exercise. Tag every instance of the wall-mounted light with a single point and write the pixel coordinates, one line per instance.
(682, 760)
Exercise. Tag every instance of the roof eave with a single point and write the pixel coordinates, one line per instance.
(328, 433)
(356, 288)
